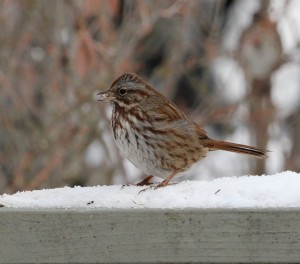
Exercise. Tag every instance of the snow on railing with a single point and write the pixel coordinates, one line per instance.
(245, 219)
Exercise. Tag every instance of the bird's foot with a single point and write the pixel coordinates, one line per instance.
(160, 185)
(144, 182)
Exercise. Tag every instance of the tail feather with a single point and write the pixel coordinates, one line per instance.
(238, 148)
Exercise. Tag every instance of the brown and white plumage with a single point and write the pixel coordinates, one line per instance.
(154, 134)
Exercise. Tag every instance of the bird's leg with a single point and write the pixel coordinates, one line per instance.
(165, 182)
(144, 182)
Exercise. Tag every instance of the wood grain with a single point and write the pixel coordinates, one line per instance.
(149, 235)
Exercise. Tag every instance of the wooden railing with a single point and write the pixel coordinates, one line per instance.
(149, 235)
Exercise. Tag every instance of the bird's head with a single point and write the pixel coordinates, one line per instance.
(127, 91)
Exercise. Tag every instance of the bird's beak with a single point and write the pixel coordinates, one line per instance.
(106, 96)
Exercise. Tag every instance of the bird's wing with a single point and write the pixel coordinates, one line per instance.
(166, 118)
(201, 133)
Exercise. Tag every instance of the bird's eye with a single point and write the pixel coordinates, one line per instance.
(122, 91)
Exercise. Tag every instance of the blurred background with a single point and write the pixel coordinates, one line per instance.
(230, 65)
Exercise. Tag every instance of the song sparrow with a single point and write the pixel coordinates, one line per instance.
(155, 135)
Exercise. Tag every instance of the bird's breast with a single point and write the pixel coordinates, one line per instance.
(155, 151)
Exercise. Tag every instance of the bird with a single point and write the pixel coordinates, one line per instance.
(155, 135)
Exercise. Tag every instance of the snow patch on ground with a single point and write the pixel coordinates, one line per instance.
(278, 190)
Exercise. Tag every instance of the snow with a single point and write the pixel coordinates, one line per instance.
(285, 89)
(94, 154)
(272, 191)
(285, 92)
(288, 25)
(231, 78)
(240, 19)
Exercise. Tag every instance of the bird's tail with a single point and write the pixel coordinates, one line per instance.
(238, 148)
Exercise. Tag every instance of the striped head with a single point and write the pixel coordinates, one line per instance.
(128, 91)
